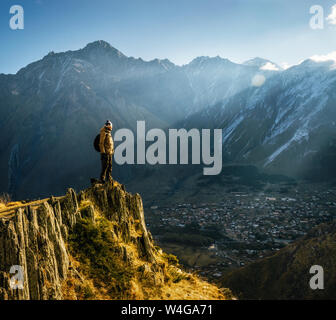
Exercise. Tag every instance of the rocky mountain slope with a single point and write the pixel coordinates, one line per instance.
(285, 275)
(216, 79)
(284, 125)
(90, 245)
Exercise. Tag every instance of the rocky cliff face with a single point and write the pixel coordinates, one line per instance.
(93, 244)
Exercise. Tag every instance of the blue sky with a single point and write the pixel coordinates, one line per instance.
(179, 30)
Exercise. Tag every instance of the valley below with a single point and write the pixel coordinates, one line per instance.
(241, 227)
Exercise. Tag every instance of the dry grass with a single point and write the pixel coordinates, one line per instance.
(191, 289)
(177, 284)
(4, 199)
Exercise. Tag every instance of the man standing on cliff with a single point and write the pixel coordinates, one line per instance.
(106, 147)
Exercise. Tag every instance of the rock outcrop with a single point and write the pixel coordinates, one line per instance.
(34, 237)
(41, 238)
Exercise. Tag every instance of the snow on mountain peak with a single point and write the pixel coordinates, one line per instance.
(103, 45)
(262, 64)
(269, 66)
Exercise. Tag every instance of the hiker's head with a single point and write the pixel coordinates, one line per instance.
(108, 124)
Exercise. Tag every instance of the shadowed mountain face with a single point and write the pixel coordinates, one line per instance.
(51, 110)
(286, 125)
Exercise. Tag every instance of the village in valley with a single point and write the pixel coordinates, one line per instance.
(241, 228)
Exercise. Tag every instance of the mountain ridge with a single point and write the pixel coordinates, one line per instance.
(272, 123)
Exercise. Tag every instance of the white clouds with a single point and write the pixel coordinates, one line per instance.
(322, 58)
(269, 66)
(327, 57)
(285, 65)
(332, 16)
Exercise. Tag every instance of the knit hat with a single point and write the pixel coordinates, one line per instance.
(108, 123)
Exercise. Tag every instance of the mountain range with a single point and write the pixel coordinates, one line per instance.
(282, 121)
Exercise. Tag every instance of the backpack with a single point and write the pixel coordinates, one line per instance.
(96, 143)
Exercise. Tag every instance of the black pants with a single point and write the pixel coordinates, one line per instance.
(106, 161)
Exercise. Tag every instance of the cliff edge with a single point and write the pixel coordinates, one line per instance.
(90, 245)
